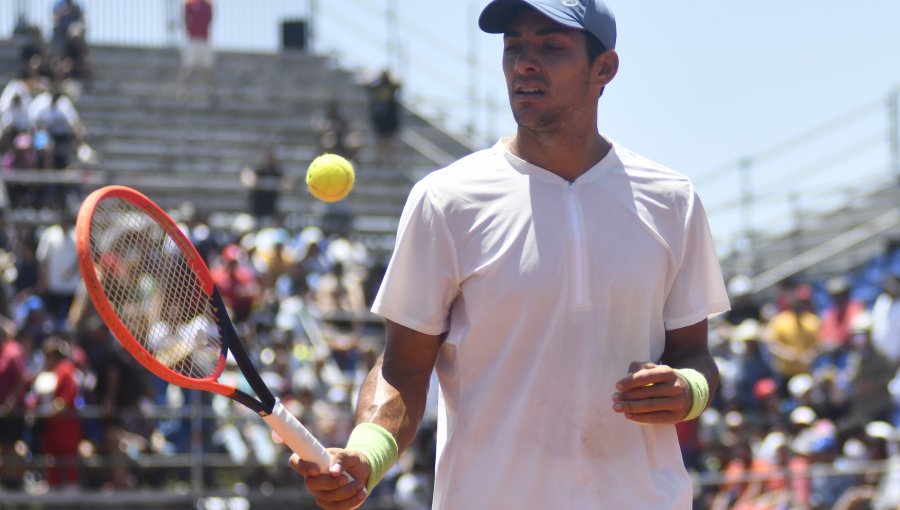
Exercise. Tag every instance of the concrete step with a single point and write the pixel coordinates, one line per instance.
(149, 57)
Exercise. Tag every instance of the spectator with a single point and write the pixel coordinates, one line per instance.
(340, 291)
(57, 113)
(771, 467)
(837, 318)
(743, 303)
(312, 262)
(73, 69)
(197, 52)
(34, 55)
(793, 335)
(58, 267)
(34, 324)
(26, 86)
(237, 283)
(66, 14)
(273, 260)
(336, 135)
(869, 375)
(782, 301)
(735, 472)
(816, 446)
(14, 121)
(752, 365)
(20, 156)
(384, 111)
(264, 180)
(61, 431)
(42, 142)
(886, 320)
(14, 381)
(120, 385)
(8, 244)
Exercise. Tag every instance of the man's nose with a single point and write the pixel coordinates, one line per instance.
(526, 62)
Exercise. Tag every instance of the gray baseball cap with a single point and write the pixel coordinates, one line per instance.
(590, 15)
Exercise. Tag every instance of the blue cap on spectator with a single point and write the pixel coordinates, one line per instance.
(590, 15)
(33, 303)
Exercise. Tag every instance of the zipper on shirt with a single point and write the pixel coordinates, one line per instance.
(578, 253)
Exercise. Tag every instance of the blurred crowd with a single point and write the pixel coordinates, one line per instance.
(72, 397)
(806, 416)
(40, 127)
(807, 413)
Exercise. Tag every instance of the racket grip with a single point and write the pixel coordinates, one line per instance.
(297, 437)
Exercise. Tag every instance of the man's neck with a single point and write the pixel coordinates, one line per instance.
(565, 155)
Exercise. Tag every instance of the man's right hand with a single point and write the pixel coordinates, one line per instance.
(334, 489)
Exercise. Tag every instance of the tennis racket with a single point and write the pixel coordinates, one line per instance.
(156, 295)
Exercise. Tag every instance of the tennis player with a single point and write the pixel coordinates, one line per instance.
(560, 285)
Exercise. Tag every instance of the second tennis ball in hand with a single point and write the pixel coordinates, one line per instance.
(330, 177)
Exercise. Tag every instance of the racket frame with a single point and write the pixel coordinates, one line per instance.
(265, 402)
(292, 432)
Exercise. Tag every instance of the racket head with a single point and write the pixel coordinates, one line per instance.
(152, 289)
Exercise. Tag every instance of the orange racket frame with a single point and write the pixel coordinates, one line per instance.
(109, 316)
(273, 412)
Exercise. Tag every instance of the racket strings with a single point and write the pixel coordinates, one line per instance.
(151, 286)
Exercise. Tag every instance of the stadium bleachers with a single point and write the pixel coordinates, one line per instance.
(193, 151)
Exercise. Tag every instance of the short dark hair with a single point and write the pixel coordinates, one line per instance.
(593, 45)
(595, 48)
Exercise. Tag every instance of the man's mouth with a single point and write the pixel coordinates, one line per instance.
(529, 91)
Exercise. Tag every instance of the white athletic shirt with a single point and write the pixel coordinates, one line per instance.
(56, 250)
(547, 291)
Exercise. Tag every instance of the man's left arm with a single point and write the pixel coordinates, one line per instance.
(678, 387)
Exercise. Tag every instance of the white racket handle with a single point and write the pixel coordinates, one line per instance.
(297, 437)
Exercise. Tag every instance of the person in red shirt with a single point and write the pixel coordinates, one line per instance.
(237, 283)
(14, 380)
(62, 429)
(835, 330)
(197, 52)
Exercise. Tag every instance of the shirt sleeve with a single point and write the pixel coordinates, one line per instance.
(44, 241)
(422, 279)
(698, 290)
(69, 112)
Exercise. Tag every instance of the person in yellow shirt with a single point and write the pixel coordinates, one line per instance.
(793, 335)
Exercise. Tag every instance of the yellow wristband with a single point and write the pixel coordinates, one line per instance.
(379, 447)
(699, 391)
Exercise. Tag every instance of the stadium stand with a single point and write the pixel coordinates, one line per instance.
(772, 438)
(177, 152)
(189, 156)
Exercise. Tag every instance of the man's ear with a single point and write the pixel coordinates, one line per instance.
(606, 66)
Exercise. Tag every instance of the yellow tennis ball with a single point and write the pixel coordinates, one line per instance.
(330, 177)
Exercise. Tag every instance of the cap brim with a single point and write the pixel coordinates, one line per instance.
(496, 15)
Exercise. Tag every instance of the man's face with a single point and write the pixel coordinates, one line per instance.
(548, 76)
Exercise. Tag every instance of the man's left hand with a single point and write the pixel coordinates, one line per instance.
(653, 394)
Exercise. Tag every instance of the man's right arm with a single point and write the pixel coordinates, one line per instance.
(393, 397)
(394, 393)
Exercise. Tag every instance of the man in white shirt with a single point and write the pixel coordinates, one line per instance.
(560, 286)
(59, 277)
(57, 112)
(16, 87)
(886, 320)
